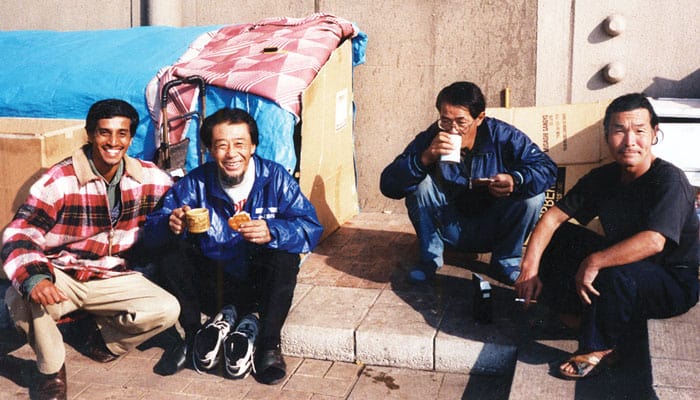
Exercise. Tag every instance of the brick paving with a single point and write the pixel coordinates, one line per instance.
(370, 253)
(364, 254)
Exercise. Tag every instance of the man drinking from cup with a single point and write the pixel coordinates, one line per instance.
(487, 201)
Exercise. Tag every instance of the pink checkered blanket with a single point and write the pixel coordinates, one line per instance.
(276, 58)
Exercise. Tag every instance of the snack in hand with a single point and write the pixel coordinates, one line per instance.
(238, 219)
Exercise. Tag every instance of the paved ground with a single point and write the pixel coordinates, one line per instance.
(358, 331)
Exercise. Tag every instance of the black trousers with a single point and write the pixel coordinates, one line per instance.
(201, 286)
(628, 293)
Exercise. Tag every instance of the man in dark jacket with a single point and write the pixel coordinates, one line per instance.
(646, 265)
(488, 201)
(235, 273)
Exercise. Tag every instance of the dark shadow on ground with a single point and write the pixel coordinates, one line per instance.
(381, 254)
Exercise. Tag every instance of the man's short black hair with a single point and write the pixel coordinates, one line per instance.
(110, 108)
(629, 102)
(465, 94)
(228, 116)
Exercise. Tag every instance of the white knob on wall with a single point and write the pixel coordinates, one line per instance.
(615, 24)
(614, 72)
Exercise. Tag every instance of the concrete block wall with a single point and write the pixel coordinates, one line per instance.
(544, 51)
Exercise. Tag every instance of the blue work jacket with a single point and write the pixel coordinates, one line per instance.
(275, 197)
(498, 148)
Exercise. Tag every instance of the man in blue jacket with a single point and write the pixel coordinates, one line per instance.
(237, 274)
(488, 201)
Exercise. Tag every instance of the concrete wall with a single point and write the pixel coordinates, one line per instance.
(545, 52)
(658, 49)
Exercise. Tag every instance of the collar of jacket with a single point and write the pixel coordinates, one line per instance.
(84, 173)
(484, 141)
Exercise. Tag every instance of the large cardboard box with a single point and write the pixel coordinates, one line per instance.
(327, 165)
(569, 133)
(28, 146)
(572, 134)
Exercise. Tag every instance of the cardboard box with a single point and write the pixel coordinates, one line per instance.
(29, 146)
(327, 165)
(569, 133)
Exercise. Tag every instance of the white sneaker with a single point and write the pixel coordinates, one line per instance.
(206, 349)
(239, 347)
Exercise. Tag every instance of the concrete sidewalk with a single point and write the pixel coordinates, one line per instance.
(357, 330)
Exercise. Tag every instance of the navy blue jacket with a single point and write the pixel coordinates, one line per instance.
(275, 197)
(498, 148)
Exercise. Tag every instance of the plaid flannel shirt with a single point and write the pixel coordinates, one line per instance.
(65, 222)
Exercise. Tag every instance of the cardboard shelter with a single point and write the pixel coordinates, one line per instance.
(28, 146)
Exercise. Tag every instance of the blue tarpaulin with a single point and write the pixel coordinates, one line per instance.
(49, 74)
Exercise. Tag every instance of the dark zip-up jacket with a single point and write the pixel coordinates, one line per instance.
(498, 148)
(275, 197)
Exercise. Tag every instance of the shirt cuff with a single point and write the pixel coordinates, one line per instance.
(29, 283)
(517, 178)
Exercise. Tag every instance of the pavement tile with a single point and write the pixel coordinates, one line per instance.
(344, 370)
(464, 345)
(233, 389)
(671, 393)
(319, 385)
(399, 330)
(102, 391)
(158, 395)
(453, 386)
(153, 382)
(532, 379)
(262, 392)
(300, 291)
(322, 325)
(316, 368)
(676, 373)
(377, 383)
(95, 372)
(679, 340)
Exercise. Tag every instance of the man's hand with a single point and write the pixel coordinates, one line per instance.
(46, 293)
(502, 185)
(255, 231)
(586, 274)
(528, 287)
(176, 222)
(440, 145)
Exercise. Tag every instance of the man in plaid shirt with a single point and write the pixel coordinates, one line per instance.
(68, 249)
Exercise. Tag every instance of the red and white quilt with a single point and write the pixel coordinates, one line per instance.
(276, 58)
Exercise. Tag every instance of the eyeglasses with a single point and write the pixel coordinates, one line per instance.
(461, 124)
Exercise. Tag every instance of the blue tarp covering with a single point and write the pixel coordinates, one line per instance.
(49, 74)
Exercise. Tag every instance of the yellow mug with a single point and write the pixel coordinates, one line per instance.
(197, 220)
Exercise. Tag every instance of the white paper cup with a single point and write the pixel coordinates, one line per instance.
(453, 156)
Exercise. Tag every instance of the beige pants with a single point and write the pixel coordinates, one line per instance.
(128, 309)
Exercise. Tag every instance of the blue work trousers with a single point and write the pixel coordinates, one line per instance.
(500, 228)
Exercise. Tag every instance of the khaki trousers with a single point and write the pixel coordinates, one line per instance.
(128, 309)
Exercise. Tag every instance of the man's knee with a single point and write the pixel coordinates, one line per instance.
(170, 310)
(426, 193)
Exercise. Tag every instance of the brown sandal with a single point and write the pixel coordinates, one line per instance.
(587, 365)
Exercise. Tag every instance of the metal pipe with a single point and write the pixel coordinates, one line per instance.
(162, 12)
